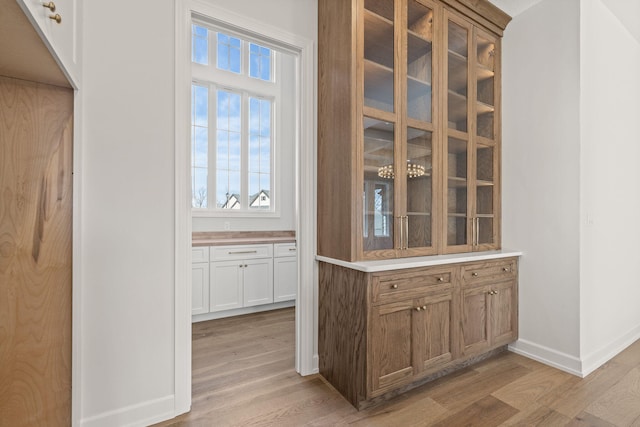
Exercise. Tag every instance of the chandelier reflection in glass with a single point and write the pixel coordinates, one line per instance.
(414, 170)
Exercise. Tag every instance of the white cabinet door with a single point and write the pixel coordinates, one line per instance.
(258, 281)
(285, 278)
(61, 38)
(225, 291)
(200, 288)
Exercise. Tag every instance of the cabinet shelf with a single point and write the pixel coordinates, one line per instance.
(457, 182)
(458, 107)
(457, 215)
(458, 71)
(378, 46)
(417, 46)
(482, 183)
(378, 84)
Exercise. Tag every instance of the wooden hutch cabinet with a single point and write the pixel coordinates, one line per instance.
(408, 128)
(412, 282)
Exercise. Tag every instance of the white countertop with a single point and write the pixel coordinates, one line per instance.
(427, 261)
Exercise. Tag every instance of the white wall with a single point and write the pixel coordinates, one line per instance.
(541, 173)
(127, 206)
(127, 209)
(610, 185)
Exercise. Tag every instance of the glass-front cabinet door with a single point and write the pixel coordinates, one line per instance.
(398, 130)
(457, 164)
(486, 225)
(472, 163)
(418, 219)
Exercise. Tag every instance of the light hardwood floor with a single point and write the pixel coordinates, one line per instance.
(243, 375)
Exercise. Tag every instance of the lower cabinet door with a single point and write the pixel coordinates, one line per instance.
(258, 281)
(433, 333)
(504, 314)
(285, 279)
(475, 320)
(225, 291)
(390, 351)
(199, 288)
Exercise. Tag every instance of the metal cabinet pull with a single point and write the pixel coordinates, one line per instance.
(56, 17)
(243, 252)
(394, 286)
(50, 5)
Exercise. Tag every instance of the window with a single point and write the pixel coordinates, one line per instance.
(234, 103)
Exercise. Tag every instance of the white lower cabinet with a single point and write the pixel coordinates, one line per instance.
(240, 276)
(285, 272)
(258, 282)
(225, 286)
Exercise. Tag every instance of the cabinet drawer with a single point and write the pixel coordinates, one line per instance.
(284, 249)
(410, 285)
(227, 253)
(490, 271)
(200, 254)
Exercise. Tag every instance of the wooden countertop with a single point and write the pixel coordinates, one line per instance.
(225, 238)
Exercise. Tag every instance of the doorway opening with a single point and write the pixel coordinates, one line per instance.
(302, 182)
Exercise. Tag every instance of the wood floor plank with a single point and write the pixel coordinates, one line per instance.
(523, 391)
(584, 392)
(620, 405)
(585, 419)
(244, 375)
(537, 415)
(486, 412)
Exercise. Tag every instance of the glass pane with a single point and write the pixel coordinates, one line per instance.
(378, 55)
(485, 209)
(199, 44)
(456, 191)
(419, 61)
(419, 187)
(486, 87)
(228, 150)
(378, 184)
(199, 144)
(259, 62)
(228, 53)
(484, 163)
(457, 77)
(485, 230)
(259, 153)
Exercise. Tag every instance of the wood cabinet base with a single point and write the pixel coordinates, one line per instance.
(383, 333)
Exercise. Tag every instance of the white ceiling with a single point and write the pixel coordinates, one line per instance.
(515, 7)
(627, 11)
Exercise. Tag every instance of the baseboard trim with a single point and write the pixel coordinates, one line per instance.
(599, 357)
(143, 414)
(548, 356)
(241, 311)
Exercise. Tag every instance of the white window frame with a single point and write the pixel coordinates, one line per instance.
(214, 78)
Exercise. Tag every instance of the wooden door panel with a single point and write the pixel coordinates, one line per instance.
(432, 332)
(475, 334)
(391, 344)
(36, 125)
(503, 318)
